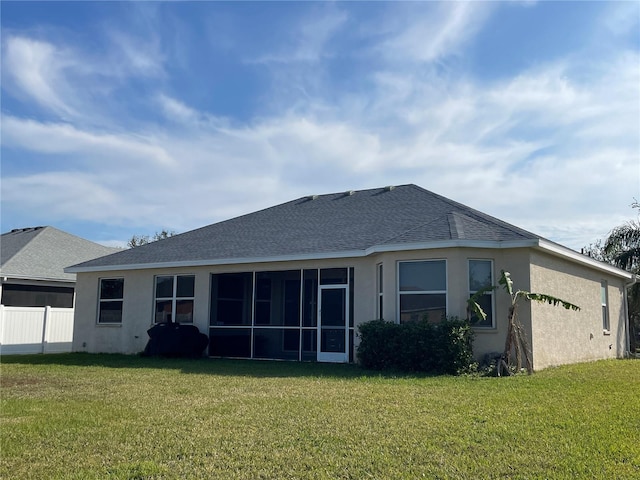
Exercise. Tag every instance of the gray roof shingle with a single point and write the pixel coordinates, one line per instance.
(336, 223)
(42, 253)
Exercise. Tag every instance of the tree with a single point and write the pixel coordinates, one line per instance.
(516, 340)
(623, 248)
(597, 252)
(139, 240)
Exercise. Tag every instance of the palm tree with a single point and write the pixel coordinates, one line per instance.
(516, 340)
(623, 247)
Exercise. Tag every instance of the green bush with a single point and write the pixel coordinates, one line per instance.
(445, 348)
(378, 342)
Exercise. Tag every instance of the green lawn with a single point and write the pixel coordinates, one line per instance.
(110, 416)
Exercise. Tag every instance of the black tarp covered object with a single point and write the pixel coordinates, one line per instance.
(175, 340)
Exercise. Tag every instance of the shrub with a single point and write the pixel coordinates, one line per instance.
(421, 346)
(378, 342)
(456, 345)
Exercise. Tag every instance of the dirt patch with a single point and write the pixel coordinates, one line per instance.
(19, 381)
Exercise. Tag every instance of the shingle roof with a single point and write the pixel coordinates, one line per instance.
(42, 253)
(322, 225)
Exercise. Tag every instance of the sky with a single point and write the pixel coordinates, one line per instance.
(127, 118)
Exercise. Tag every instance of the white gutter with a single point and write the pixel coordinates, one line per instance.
(217, 261)
(8, 278)
(545, 245)
(495, 245)
(310, 256)
(560, 251)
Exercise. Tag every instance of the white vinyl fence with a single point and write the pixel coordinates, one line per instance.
(35, 330)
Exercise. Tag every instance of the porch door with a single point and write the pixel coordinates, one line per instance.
(333, 331)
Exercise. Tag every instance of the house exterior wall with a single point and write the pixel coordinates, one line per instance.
(131, 335)
(557, 336)
(561, 336)
(487, 340)
(138, 306)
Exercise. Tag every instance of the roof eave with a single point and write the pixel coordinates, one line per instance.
(490, 244)
(308, 256)
(8, 277)
(560, 251)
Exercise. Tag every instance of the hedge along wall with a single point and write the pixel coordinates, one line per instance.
(445, 348)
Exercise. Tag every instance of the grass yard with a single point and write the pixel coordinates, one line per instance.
(111, 416)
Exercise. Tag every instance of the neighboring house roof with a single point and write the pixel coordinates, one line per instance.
(346, 224)
(42, 253)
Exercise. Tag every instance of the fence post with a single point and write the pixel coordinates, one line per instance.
(1, 325)
(45, 324)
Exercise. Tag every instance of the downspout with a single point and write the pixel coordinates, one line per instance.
(627, 324)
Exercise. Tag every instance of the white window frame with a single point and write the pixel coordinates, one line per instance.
(604, 300)
(425, 292)
(471, 292)
(174, 298)
(105, 300)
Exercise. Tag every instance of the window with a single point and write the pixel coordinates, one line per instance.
(604, 300)
(422, 288)
(481, 276)
(174, 298)
(111, 300)
(379, 309)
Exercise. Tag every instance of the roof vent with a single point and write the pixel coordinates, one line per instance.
(312, 197)
(388, 188)
(349, 193)
(26, 229)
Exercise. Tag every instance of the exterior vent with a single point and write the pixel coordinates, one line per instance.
(312, 197)
(388, 188)
(349, 193)
(26, 229)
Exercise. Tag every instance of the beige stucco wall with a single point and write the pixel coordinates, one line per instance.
(562, 336)
(131, 336)
(558, 336)
(487, 340)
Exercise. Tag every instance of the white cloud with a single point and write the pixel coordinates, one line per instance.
(63, 194)
(62, 138)
(176, 110)
(308, 41)
(553, 149)
(38, 69)
(135, 55)
(621, 18)
(463, 145)
(431, 34)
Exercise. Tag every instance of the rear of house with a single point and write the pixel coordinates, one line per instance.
(293, 282)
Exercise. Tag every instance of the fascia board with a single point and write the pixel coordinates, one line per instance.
(452, 244)
(27, 278)
(544, 245)
(307, 257)
(560, 251)
(218, 261)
